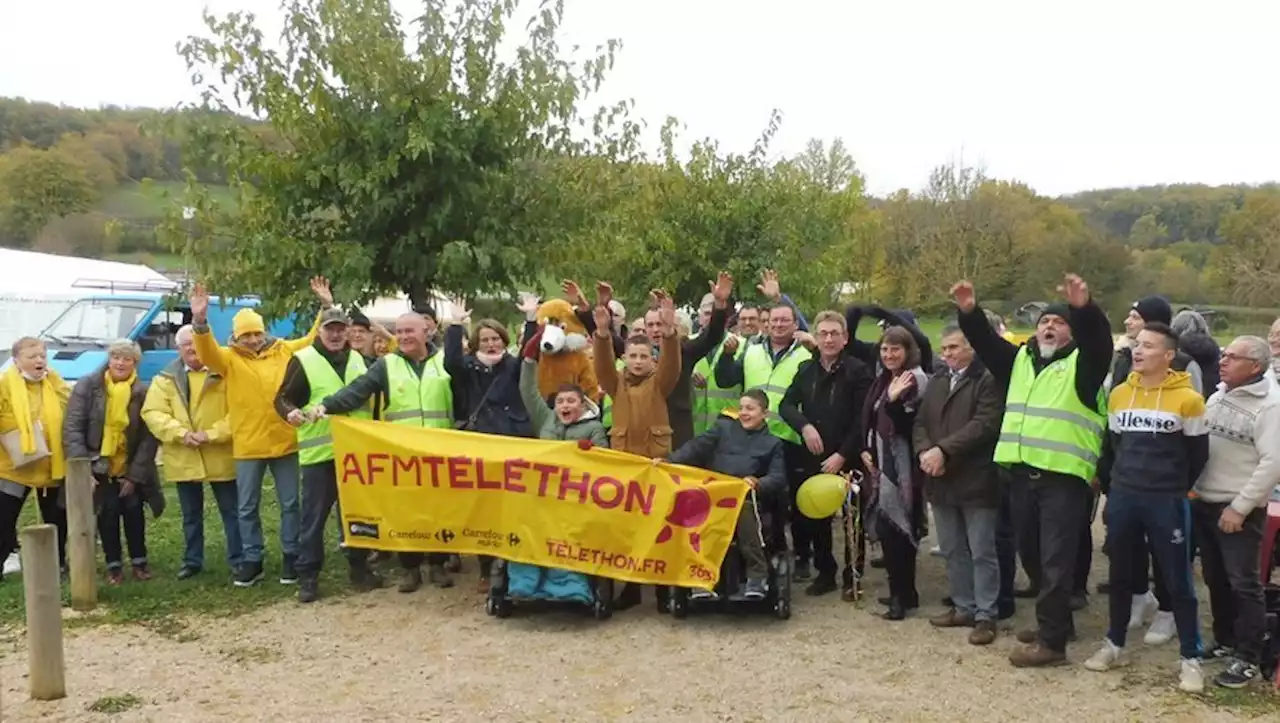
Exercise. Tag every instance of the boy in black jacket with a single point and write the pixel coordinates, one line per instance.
(824, 404)
(743, 448)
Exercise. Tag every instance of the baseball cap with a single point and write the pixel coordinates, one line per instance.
(334, 315)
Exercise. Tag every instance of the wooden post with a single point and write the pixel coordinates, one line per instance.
(82, 533)
(41, 580)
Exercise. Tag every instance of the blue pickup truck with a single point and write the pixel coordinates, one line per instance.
(149, 314)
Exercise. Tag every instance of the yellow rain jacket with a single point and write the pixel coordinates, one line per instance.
(169, 415)
(252, 381)
(36, 474)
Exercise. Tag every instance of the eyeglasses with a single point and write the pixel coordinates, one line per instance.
(1236, 357)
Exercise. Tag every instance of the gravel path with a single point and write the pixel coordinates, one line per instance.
(434, 655)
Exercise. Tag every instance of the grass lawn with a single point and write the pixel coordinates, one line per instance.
(150, 200)
(162, 601)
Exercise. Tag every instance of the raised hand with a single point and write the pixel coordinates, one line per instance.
(604, 324)
(528, 304)
(900, 384)
(604, 293)
(460, 306)
(1076, 290)
(962, 292)
(666, 311)
(722, 289)
(731, 344)
(573, 293)
(320, 287)
(199, 304)
(768, 286)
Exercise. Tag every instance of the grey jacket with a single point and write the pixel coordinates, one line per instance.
(729, 448)
(547, 423)
(83, 426)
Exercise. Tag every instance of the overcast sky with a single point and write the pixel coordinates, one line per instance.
(1063, 95)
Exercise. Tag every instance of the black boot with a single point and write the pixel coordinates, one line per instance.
(308, 589)
(364, 579)
(629, 598)
(821, 585)
(896, 610)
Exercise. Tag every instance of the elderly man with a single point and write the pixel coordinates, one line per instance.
(418, 393)
(253, 367)
(955, 436)
(186, 410)
(313, 374)
(1051, 440)
(1229, 508)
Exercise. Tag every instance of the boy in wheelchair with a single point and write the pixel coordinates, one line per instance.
(744, 448)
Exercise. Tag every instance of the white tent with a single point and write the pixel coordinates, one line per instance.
(386, 309)
(35, 288)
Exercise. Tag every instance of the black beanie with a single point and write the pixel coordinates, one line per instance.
(359, 319)
(1058, 309)
(1154, 309)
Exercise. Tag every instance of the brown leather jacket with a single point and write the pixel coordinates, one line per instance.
(640, 421)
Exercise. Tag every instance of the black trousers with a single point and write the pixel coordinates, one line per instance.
(1059, 505)
(1006, 548)
(413, 560)
(899, 563)
(319, 494)
(129, 511)
(52, 512)
(1230, 566)
(804, 531)
(1027, 532)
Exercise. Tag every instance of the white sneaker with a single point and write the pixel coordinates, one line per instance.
(1191, 678)
(936, 551)
(1108, 656)
(13, 565)
(1162, 630)
(1144, 607)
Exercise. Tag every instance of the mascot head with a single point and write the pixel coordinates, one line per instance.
(561, 329)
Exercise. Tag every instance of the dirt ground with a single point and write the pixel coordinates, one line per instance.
(435, 655)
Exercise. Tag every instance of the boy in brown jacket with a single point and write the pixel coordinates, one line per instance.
(640, 422)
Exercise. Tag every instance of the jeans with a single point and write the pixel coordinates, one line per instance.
(967, 536)
(249, 476)
(116, 509)
(52, 512)
(1164, 519)
(191, 500)
(319, 496)
(1230, 566)
(1006, 551)
(1058, 505)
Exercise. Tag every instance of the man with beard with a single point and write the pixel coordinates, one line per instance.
(1050, 439)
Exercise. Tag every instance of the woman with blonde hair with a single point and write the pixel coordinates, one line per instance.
(104, 425)
(33, 400)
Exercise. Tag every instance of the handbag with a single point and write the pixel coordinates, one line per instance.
(12, 442)
(470, 424)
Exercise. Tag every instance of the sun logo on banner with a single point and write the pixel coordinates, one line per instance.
(690, 511)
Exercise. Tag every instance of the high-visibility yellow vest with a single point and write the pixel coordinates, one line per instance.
(759, 372)
(1045, 426)
(709, 403)
(315, 441)
(414, 401)
(606, 402)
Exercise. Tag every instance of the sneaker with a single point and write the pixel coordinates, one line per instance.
(289, 571)
(187, 572)
(1190, 676)
(1108, 656)
(1162, 630)
(439, 576)
(1220, 652)
(701, 594)
(802, 570)
(309, 590)
(1238, 675)
(141, 573)
(1142, 610)
(115, 576)
(248, 574)
(755, 589)
(411, 580)
(821, 586)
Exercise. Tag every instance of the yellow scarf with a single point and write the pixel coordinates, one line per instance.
(50, 415)
(117, 421)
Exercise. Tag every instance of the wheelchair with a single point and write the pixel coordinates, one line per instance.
(727, 594)
(500, 603)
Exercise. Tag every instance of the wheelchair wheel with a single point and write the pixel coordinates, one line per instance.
(602, 610)
(680, 603)
(782, 608)
(498, 605)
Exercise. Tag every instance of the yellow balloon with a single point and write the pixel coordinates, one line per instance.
(821, 496)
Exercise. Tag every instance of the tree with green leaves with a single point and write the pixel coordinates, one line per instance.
(1249, 264)
(405, 155)
(38, 186)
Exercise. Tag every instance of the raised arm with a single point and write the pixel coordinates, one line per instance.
(995, 352)
(863, 351)
(699, 348)
(537, 407)
(1092, 333)
(454, 356)
(319, 287)
(668, 374)
(603, 358)
(215, 357)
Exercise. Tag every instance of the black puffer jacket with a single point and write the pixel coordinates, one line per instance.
(491, 394)
(729, 448)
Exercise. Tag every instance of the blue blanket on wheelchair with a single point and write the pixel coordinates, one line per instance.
(531, 582)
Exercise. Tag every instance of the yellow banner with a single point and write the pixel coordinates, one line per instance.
(597, 512)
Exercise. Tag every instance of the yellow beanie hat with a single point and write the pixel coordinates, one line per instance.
(247, 321)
